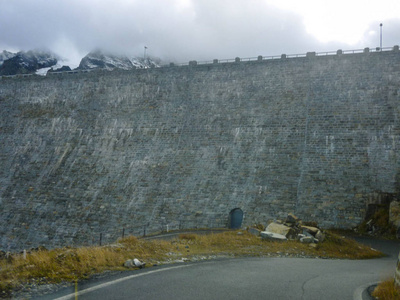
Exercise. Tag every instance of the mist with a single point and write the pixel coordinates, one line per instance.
(176, 30)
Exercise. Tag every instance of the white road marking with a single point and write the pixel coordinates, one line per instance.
(88, 290)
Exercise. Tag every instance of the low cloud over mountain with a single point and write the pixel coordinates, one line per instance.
(40, 62)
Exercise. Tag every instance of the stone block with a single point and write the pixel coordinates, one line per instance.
(132, 263)
(254, 231)
(310, 229)
(307, 239)
(281, 229)
(291, 219)
(320, 236)
(266, 235)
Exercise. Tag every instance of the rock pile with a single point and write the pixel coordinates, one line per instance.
(291, 229)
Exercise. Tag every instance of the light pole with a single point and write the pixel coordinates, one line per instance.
(381, 36)
(145, 48)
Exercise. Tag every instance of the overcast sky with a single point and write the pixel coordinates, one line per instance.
(183, 30)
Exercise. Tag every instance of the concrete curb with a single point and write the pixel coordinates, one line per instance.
(361, 293)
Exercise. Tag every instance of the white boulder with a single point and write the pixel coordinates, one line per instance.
(267, 235)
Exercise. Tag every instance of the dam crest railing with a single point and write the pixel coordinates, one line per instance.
(221, 61)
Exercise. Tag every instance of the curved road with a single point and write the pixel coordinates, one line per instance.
(247, 278)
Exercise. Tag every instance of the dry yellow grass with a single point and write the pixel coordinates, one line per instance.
(387, 290)
(68, 264)
(230, 242)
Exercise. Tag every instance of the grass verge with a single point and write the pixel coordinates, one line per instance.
(386, 290)
(69, 264)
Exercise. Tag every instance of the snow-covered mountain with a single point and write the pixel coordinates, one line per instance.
(40, 62)
(60, 66)
(6, 55)
(100, 60)
(26, 62)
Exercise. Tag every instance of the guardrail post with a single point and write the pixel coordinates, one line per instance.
(310, 54)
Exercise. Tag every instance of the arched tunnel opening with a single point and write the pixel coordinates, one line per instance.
(235, 218)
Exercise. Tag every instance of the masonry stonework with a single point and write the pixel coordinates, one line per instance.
(97, 153)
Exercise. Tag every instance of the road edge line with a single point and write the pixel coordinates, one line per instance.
(99, 286)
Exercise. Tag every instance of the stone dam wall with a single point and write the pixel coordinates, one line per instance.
(84, 155)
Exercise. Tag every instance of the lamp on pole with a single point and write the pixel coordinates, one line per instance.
(381, 37)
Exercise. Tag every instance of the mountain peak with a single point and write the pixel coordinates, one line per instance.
(41, 61)
(26, 62)
(98, 59)
(6, 55)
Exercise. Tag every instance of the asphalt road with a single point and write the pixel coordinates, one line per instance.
(246, 278)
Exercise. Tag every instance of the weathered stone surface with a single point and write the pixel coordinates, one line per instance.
(272, 236)
(129, 263)
(394, 213)
(310, 229)
(311, 223)
(281, 229)
(292, 219)
(134, 263)
(320, 236)
(97, 153)
(306, 233)
(307, 239)
(254, 231)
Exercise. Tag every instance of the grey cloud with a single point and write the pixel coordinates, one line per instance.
(202, 30)
(390, 34)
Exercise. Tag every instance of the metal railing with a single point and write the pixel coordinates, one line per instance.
(103, 237)
(230, 60)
